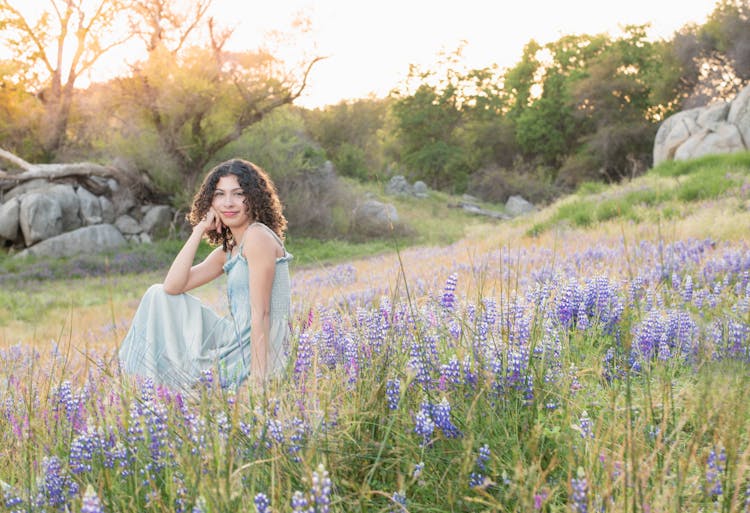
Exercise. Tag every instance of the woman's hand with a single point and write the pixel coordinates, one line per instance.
(210, 222)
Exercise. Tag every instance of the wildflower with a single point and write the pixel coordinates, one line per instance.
(262, 504)
(299, 502)
(580, 493)
(91, 502)
(321, 490)
(585, 426)
(418, 468)
(400, 499)
(304, 356)
(423, 425)
(448, 300)
(441, 416)
(687, 289)
(393, 392)
(715, 467)
(483, 457)
(539, 499)
(57, 486)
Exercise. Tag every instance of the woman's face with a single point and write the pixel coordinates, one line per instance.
(229, 202)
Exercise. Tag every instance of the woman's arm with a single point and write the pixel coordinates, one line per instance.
(261, 250)
(183, 275)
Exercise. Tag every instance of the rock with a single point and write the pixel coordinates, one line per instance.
(375, 218)
(516, 206)
(91, 209)
(739, 114)
(157, 220)
(398, 186)
(674, 131)
(108, 210)
(40, 217)
(717, 128)
(89, 239)
(9, 219)
(475, 209)
(127, 225)
(714, 113)
(70, 205)
(420, 189)
(719, 138)
(35, 185)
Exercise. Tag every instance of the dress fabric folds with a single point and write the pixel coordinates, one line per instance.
(173, 339)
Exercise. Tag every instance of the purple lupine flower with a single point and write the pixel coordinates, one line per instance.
(687, 289)
(582, 319)
(10, 499)
(451, 372)
(418, 468)
(57, 486)
(476, 479)
(715, 467)
(580, 493)
(262, 504)
(207, 378)
(423, 425)
(321, 490)
(483, 457)
(91, 502)
(441, 416)
(393, 393)
(83, 449)
(400, 499)
(299, 502)
(448, 301)
(304, 356)
(585, 426)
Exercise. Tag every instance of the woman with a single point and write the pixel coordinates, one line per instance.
(174, 337)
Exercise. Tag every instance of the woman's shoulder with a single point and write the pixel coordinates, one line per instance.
(260, 239)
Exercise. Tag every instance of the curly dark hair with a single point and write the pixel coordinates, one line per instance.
(261, 199)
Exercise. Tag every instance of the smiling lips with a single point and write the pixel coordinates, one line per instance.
(229, 214)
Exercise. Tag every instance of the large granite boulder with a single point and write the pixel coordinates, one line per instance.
(67, 198)
(91, 208)
(722, 127)
(89, 239)
(517, 205)
(156, 220)
(373, 217)
(40, 217)
(9, 219)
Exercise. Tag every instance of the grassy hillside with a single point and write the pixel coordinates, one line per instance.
(541, 364)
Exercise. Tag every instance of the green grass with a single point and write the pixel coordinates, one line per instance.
(663, 192)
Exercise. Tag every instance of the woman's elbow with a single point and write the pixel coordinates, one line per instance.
(171, 289)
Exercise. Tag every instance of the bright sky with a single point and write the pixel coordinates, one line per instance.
(370, 44)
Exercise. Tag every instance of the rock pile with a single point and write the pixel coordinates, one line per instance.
(722, 127)
(45, 218)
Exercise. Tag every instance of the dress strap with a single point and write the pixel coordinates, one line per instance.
(269, 230)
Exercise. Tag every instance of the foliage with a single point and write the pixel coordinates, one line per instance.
(199, 101)
(52, 52)
(351, 135)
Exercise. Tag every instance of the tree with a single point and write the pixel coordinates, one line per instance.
(351, 135)
(54, 51)
(192, 101)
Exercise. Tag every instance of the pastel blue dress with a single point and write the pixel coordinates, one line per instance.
(173, 339)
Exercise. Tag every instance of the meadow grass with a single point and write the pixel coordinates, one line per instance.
(582, 369)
